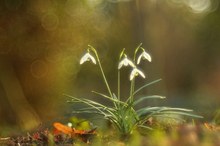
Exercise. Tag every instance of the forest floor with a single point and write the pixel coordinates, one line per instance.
(60, 135)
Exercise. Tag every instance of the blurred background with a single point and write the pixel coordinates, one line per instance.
(42, 41)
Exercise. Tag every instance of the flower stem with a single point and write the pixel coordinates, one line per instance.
(100, 66)
(119, 85)
(132, 91)
(136, 50)
(133, 81)
(119, 75)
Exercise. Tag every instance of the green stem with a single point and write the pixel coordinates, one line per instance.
(132, 90)
(119, 76)
(119, 85)
(133, 81)
(100, 66)
(136, 50)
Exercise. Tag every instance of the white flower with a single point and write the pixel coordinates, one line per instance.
(144, 55)
(135, 72)
(87, 57)
(125, 62)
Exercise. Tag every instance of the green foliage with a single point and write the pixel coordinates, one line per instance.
(216, 118)
(122, 114)
(80, 124)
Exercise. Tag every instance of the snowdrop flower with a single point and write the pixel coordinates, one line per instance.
(144, 55)
(87, 57)
(135, 72)
(125, 62)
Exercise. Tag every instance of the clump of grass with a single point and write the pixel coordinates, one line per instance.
(122, 114)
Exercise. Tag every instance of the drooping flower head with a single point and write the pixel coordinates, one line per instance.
(125, 62)
(87, 57)
(135, 72)
(144, 55)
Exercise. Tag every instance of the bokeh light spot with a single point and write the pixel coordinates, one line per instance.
(50, 21)
(199, 6)
(94, 2)
(39, 68)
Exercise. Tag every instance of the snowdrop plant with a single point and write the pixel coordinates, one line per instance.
(125, 115)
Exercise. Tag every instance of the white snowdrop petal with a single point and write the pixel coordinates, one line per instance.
(144, 55)
(139, 59)
(131, 63)
(141, 73)
(120, 65)
(147, 56)
(125, 62)
(87, 57)
(136, 72)
(132, 75)
(93, 59)
(83, 59)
